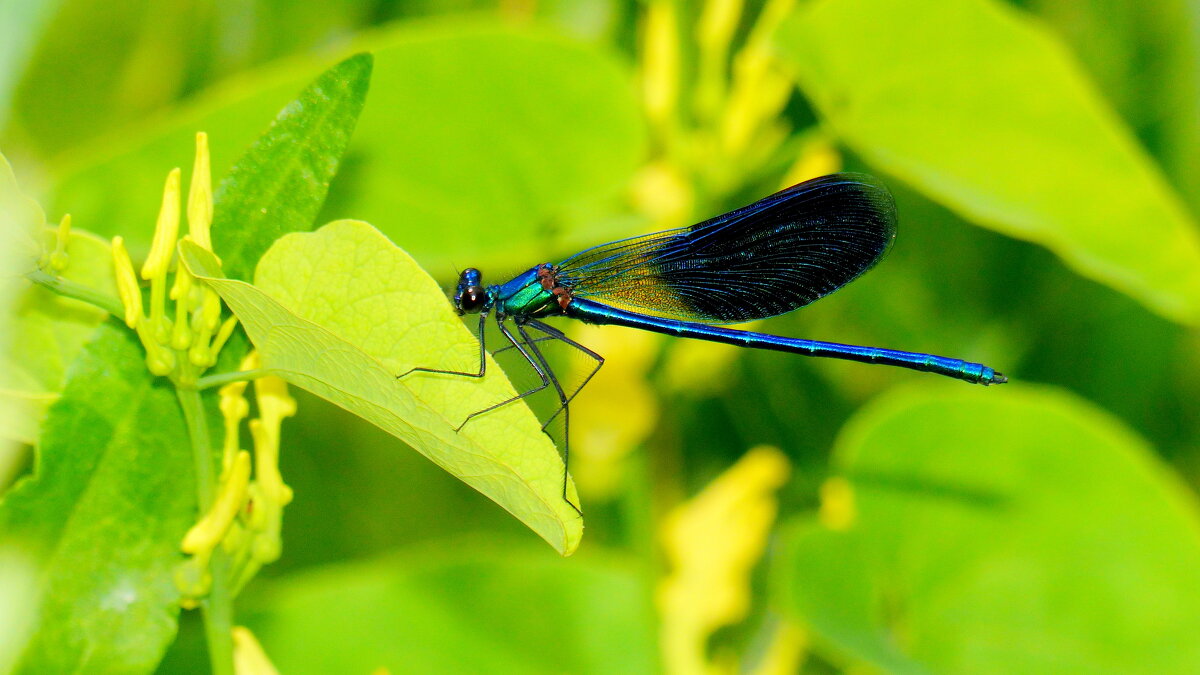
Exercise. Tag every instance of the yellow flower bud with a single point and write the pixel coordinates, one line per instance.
(200, 199)
(166, 232)
(248, 656)
(234, 409)
(206, 534)
(58, 259)
(127, 285)
(223, 335)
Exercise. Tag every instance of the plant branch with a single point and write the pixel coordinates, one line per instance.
(71, 289)
(222, 379)
(218, 606)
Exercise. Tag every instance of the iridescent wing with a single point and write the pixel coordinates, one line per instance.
(771, 257)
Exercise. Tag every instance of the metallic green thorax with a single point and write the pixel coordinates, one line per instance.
(525, 295)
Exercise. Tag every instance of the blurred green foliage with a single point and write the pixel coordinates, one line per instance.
(1043, 158)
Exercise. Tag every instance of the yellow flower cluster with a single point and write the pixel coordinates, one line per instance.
(729, 123)
(188, 344)
(244, 514)
(247, 515)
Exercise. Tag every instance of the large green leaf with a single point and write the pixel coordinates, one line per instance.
(341, 312)
(468, 606)
(96, 67)
(1021, 532)
(103, 515)
(1146, 59)
(475, 138)
(983, 110)
(279, 185)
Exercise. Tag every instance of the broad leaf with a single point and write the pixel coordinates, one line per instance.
(98, 67)
(476, 138)
(983, 110)
(479, 141)
(103, 514)
(474, 606)
(341, 312)
(1023, 531)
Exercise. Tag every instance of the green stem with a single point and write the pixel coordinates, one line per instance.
(218, 606)
(70, 289)
(222, 379)
(193, 412)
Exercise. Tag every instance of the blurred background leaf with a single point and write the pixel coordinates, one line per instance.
(484, 605)
(48, 331)
(1035, 153)
(478, 140)
(1029, 533)
(22, 399)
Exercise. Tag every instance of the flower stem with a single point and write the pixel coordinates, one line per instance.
(71, 289)
(218, 606)
(222, 379)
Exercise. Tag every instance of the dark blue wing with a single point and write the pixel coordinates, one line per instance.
(768, 258)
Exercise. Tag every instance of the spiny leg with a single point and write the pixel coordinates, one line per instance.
(562, 397)
(554, 333)
(542, 373)
(482, 357)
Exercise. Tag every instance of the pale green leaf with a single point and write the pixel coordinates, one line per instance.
(984, 110)
(40, 332)
(48, 331)
(102, 516)
(1017, 532)
(20, 220)
(342, 311)
(462, 607)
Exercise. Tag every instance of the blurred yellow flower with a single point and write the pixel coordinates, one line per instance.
(818, 156)
(712, 543)
(660, 61)
(621, 408)
(699, 368)
(785, 653)
(837, 504)
(248, 655)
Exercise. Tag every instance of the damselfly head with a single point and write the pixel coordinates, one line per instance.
(470, 296)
